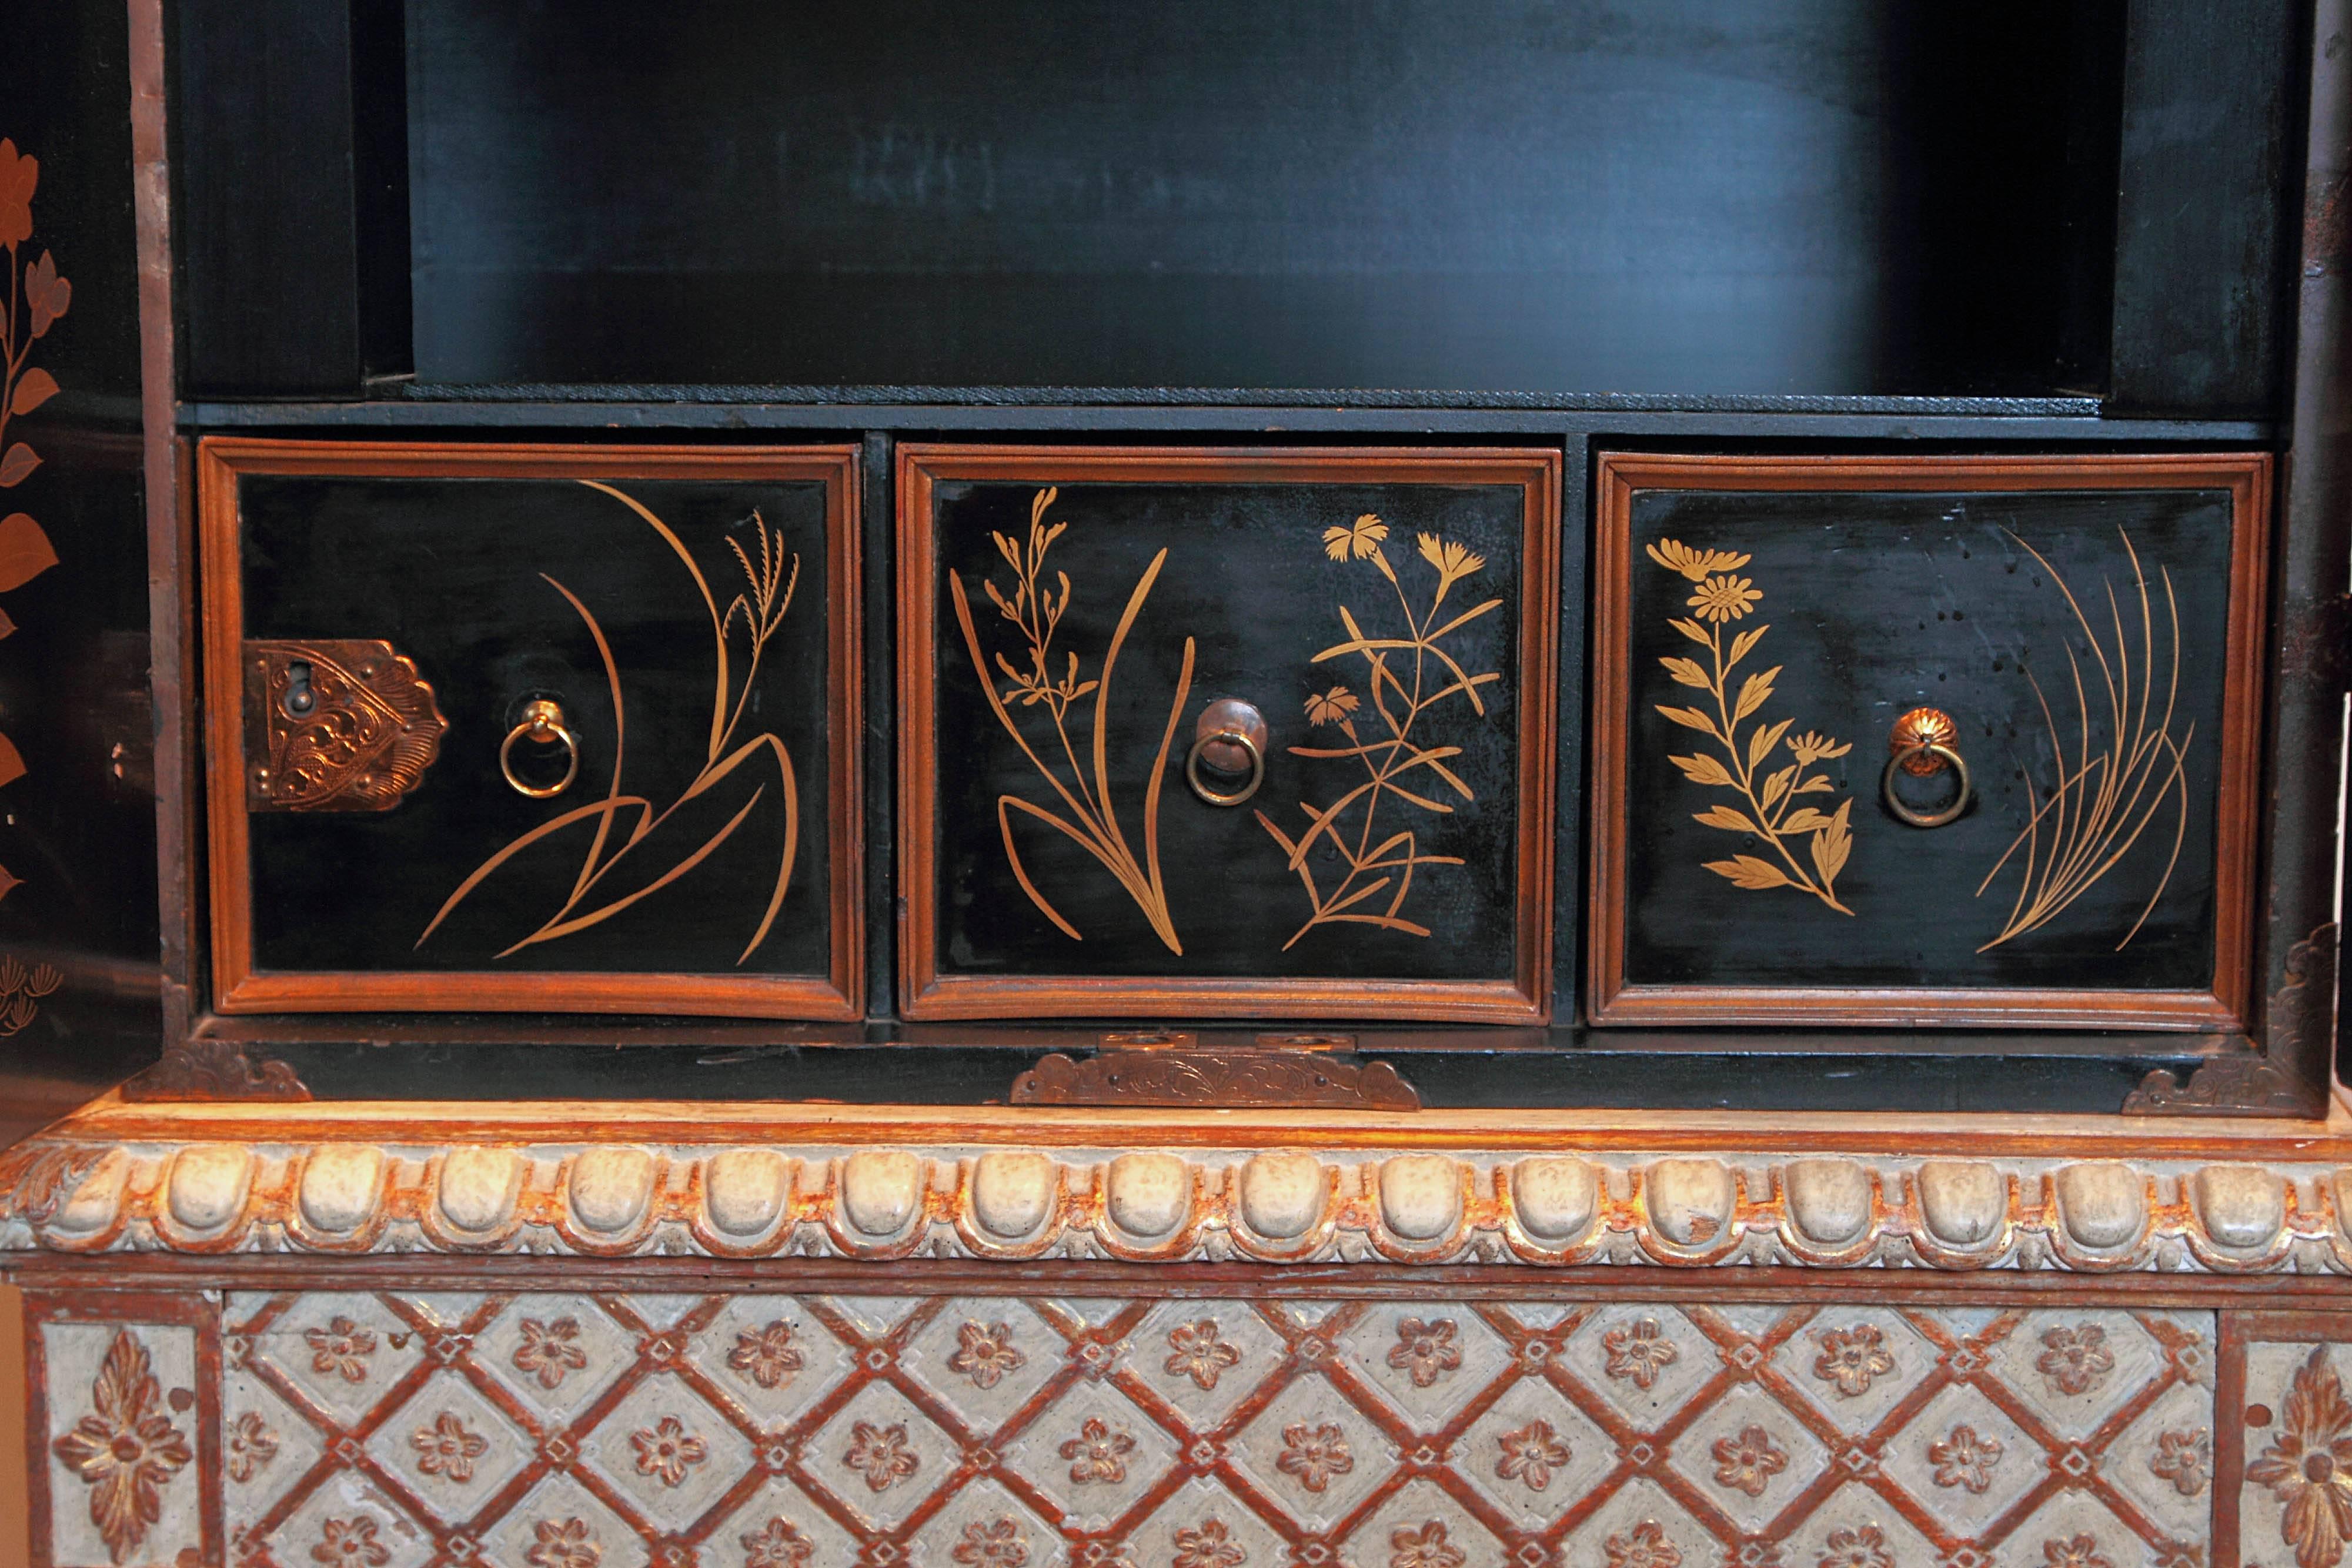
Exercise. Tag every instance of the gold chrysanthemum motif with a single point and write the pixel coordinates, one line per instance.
(1721, 599)
(1699, 565)
(1768, 809)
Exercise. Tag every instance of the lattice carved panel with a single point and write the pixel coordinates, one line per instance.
(771, 1431)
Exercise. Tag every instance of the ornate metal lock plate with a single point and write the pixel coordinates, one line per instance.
(335, 724)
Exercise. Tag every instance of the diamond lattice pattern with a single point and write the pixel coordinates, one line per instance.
(773, 1431)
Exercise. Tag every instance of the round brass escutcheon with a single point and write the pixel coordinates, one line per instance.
(1918, 732)
(542, 721)
(1230, 738)
(1922, 746)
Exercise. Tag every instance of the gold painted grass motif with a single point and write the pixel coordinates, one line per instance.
(2104, 799)
(1399, 704)
(761, 604)
(1091, 821)
(1772, 815)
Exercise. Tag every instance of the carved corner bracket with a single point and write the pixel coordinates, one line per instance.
(205, 1069)
(2301, 1023)
(335, 724)
(1276, 1078)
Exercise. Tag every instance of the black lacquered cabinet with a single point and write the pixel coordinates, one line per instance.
(1490, 540)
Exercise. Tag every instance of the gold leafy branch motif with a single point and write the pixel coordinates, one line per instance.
(1772, 815)
(1391, 753)
(37, 298)
(2108, 795)
(760, 605)
(1088, 819)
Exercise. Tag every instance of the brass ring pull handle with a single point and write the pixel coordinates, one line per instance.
(1921, 746)
(542, 721)
(1226, 726)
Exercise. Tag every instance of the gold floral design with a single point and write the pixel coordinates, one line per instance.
(997, 1544)
(762, 603)
(1965, 1459)
(1098, 1453)
(767, 1356)
(1530, 1455)
(882, 1455)
(563, 1543)
(341, 1349)
(1395, 754)
(985, 1353)
(1772, 815)
(548, 1352)
(668, 1452)
(126, 1449)
(352, 1544)
(1423, 1546)
(1036, 609)
(777, 1544)
(1861, 1547)
(1640, 1351)
(2103, 799)
(37, 298)
(2076, 1552)
(1852, 1359)
(2074, 1360)
(1748, 1462)
(1426, 1352)
(2184, 1458)
(2308, 1465)
(1643, 1546)
(1210, 1545)
(1195, 1350)
(251, 1446)
(1314, 1456)
(446, 1449)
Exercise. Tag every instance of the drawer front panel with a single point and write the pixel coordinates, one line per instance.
(531, 729)
(1947, 740)
(1078, 627)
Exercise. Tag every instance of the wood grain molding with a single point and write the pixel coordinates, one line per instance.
(1955, 1210)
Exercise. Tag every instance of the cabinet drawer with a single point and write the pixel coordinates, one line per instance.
(1926, 740)
(533, 727)
(1219, 734)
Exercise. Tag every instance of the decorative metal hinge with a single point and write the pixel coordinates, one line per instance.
(1278, 1071)
(339, 724)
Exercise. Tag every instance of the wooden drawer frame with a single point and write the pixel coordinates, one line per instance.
(926, 994)
(240, 988)
(1613, 1001)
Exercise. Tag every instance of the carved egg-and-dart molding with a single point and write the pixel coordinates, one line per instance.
(1163, 1205)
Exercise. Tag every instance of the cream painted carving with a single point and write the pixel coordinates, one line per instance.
(127, 1449)
(548, 1352)
(1852, 1359)
(2076, 1360)
(1531, 1454)
(1426, 1352)
(985, 1353)
(1528, 1450)
(1259, 1206)
(1640, 1351)
(766, 1355)
(1195, 1350)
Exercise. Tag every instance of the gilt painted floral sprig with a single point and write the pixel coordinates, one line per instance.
(1720, 598)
